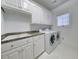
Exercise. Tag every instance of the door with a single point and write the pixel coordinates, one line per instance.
(28, 51)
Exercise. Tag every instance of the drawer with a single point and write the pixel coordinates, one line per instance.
(15, 44)
(5, 47)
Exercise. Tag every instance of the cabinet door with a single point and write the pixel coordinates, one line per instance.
(36, 15)
(13, 2)
(4, 56)
(13, 54)
(25, 5)
(28, 51)
(38, 45)
(2, 1)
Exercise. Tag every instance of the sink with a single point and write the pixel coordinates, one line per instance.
(24, 35)
(10, 37)
(20, 35)
(16, 36)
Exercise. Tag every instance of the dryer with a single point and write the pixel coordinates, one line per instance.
(52, 39)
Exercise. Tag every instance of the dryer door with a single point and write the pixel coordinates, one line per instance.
(52, 39)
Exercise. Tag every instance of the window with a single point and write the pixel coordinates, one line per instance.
(63, 20)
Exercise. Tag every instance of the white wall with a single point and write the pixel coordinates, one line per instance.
(16, 22)
(68, 33)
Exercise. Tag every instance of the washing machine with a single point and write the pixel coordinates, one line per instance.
(52, 40)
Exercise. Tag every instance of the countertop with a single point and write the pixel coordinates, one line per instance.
(18, 36)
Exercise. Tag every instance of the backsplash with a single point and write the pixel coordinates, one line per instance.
(40, 26)
(12, 22)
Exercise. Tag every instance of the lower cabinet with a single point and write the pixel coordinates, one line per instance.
(24, 52)
(28, 52)
(38, 45)
(12, 54)
(30, 49)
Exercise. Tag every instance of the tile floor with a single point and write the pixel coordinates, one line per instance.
(61, 52)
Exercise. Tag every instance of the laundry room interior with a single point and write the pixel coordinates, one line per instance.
(39, 29)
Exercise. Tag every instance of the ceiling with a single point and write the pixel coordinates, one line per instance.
(50, 4)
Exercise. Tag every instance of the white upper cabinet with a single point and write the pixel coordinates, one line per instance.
(47, 16)
(25, 5)
(2, 1)
(14, 3)
(36, 15)
(16, 6)
(40, 15)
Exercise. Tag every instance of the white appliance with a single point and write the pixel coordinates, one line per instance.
(52, 39)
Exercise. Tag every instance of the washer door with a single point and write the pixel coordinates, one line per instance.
(52, 39)
(58, 36)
